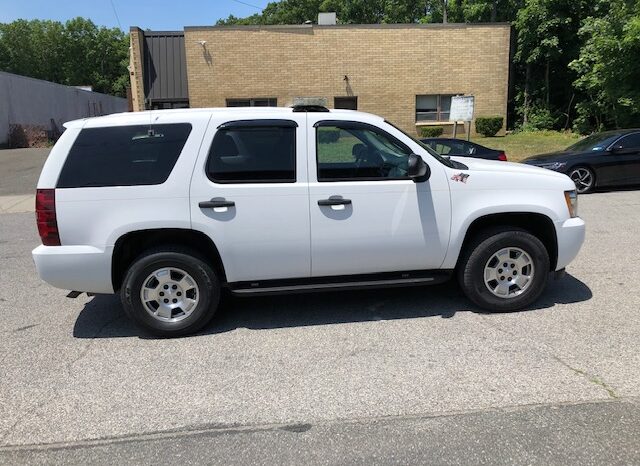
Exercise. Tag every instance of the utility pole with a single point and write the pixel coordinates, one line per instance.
(444, 11)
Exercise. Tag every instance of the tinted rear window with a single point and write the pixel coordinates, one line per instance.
(123, 155)
(253, 155)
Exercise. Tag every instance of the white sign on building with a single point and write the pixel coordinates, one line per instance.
(461, 108)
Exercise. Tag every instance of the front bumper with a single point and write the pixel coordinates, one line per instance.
(78, 268)
(570, 235)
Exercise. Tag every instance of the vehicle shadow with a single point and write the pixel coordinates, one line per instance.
(615, 189)
(103, 316)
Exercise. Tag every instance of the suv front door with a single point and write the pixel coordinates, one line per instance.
(249, 195)
(367, 216)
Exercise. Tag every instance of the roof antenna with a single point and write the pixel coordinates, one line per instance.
(150, 132)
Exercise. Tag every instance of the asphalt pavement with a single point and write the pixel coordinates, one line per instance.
(389, 376)
(20, 170)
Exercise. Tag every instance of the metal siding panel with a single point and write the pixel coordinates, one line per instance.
(183, 70)
(166, 76)
(175, 50)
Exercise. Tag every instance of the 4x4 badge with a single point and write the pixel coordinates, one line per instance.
(460, 177)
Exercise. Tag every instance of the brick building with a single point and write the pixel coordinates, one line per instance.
(404, 72)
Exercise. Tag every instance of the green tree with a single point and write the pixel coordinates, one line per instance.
(75, 53)
(607, 68)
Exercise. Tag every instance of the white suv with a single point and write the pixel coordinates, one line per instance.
(169, 207)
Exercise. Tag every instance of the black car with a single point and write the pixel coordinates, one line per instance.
(460, 148)
(602, 160)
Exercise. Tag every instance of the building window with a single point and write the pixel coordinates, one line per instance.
(346, 103)
(259, 102)
(434, 107)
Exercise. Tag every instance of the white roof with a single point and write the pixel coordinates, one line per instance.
(196, 113)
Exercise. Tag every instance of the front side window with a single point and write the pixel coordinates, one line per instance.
(253, 154)
(355, 151)
(123, 155)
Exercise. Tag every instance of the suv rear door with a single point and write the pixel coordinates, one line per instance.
(249, 194)
(367, 216)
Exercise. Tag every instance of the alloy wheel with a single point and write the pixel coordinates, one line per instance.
(509, 272)
(582, 178)
(169, 294)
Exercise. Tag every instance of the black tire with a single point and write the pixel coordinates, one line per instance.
(478, 253)
(581, 188)
(181, 258)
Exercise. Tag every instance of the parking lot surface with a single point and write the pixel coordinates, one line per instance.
(402, 365)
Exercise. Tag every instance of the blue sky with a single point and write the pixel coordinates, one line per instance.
(152, 14)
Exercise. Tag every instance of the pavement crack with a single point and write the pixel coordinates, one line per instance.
(54, 390)
(594, 379)
(86, 349)
(549, 351)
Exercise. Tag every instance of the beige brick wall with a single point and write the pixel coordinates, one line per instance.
(387, 66)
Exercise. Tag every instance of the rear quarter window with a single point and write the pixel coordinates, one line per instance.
(124, 155)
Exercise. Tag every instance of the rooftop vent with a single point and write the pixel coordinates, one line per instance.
(327, 19)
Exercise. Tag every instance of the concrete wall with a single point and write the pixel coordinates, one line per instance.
(387, 65)
(33, 102)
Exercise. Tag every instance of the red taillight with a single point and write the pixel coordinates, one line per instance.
(46, 217)
(502, 156)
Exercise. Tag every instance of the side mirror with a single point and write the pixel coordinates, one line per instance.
(417, 169)
(616, 149)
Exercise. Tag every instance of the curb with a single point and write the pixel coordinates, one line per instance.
(17, 204)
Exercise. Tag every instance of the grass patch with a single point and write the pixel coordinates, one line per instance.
(519, 146)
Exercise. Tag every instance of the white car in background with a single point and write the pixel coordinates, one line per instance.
(167, 207)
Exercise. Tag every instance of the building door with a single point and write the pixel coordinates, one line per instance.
(346, 103)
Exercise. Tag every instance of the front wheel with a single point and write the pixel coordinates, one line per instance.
(170, 292)
(504, 270)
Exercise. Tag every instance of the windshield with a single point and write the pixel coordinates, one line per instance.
(431, 152)
(595, 142)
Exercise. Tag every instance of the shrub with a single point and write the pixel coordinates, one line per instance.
(327, 135)
(431, 131)
(489, 126)
(539, 118)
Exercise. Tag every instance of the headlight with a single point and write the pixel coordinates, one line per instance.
(572, 202)
(553, 165)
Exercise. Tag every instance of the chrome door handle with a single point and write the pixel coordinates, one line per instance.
(334, 201)
(216, 202)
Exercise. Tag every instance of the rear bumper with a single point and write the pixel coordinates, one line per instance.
(78, 268)
(570, 235)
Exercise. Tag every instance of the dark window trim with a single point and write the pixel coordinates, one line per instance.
(346, 124)
(286, 124)
(259, 124)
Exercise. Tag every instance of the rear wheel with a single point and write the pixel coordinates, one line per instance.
(583, 178)
(504, 270)
(170, 292)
